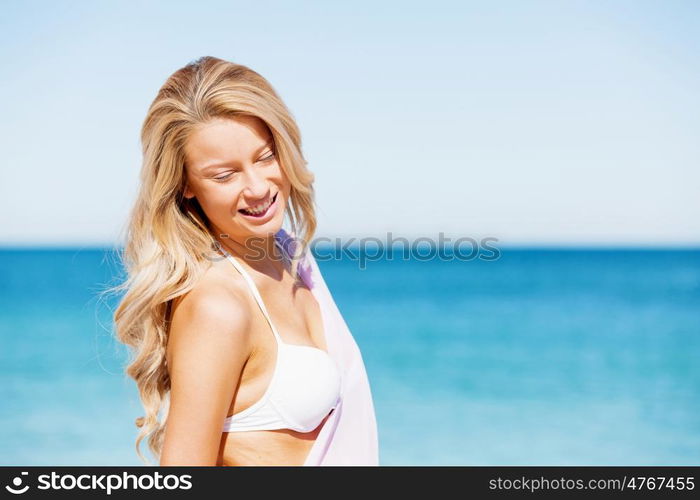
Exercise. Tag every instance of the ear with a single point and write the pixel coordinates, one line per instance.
(188, 193)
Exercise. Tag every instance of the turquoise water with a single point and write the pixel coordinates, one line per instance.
(553, 357)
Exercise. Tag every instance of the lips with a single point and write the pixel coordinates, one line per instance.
(261, 214)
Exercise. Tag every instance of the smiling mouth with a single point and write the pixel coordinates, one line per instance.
(259, 213)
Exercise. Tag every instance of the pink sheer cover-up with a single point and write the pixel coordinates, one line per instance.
(349, 435)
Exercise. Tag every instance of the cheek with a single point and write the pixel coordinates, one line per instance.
(282, 179)
(220, 199)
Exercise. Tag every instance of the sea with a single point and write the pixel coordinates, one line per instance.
(537, 356)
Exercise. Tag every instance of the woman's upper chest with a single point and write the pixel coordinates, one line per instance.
(293, 310)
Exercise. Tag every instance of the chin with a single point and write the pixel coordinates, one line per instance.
(269, 228)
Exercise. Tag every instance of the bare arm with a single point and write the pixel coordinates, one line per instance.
(208, 345)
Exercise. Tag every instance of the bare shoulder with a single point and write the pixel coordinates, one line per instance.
(215, 311)
(209, 343)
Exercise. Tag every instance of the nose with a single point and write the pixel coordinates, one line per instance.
(256, 185)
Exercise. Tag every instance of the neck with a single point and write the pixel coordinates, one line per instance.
(260, 253)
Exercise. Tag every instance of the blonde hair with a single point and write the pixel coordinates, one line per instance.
(168, 243)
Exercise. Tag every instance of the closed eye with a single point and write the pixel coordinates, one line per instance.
(223, 177)
(266, 159)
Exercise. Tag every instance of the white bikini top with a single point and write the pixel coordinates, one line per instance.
(305, 385)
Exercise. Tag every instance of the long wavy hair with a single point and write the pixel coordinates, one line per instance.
(168, 241)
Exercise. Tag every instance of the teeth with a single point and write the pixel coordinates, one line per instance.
(260, 208)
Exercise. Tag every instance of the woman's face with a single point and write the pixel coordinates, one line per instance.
(233, 172)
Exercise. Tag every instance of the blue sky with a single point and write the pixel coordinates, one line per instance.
(534, 122)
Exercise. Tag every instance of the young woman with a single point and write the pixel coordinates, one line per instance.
(235, 334)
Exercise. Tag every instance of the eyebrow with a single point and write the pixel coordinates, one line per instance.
(207, 168)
